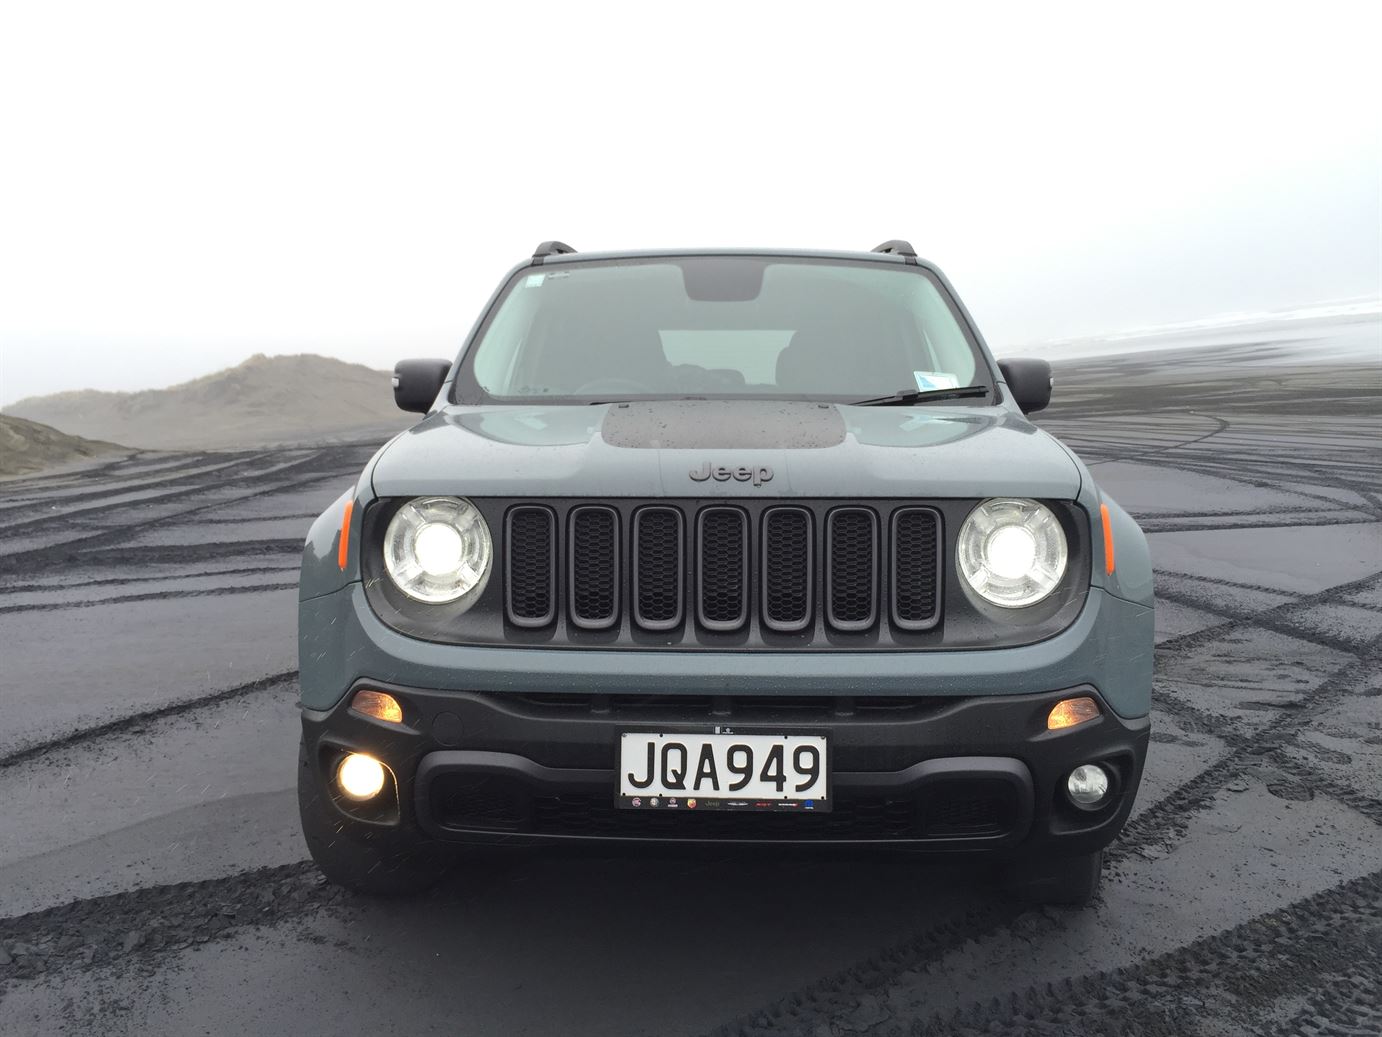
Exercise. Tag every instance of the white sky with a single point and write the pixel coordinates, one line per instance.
(182, 185)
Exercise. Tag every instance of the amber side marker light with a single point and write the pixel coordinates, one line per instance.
(343, 552)
(378, 704)
(1108, 539)
(1069, 712)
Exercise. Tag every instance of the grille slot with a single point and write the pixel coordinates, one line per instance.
(872, 818)
(787, 571)
(594, 564)
(530, 566)
(916, 577)
(722, 575)
(489, 802)
(851, 568)
(658, 593)
(499, 803)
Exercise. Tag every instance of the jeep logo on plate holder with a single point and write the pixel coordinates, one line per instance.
(758, 473)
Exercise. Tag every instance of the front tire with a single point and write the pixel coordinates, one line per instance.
(1072, 881)
(376, 863)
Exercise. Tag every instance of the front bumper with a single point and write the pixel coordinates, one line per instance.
(922, 773)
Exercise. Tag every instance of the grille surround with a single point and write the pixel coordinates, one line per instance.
(963, 621)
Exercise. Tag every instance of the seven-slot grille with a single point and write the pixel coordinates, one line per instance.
(716, 567)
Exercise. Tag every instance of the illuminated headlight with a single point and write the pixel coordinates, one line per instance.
(1012, 552)
(438, 550)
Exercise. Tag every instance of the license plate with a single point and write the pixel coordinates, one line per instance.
(723, 772)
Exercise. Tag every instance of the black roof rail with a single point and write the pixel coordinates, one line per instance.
(897, 247)
(551, 248)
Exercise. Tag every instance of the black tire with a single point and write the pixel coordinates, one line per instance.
(1072, 881)
(375, 863)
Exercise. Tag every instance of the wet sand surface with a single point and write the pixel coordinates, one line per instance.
(153, 880)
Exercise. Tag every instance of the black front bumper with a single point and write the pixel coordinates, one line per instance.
(942, 774)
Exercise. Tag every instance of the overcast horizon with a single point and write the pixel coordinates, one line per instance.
(187, 186)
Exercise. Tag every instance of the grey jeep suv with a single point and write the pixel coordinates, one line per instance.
(751, 547)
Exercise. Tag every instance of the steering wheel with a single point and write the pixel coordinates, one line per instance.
(612, 385)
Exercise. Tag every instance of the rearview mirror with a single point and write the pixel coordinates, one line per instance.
(1029, 380)
(417, 382)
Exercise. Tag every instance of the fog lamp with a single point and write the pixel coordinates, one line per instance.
(378, 704)
(360, 776)
(1087, 785)
(1069, 712)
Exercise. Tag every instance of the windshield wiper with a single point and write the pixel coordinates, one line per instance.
(906, 396)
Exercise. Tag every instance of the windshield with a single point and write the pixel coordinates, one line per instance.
(719, 326)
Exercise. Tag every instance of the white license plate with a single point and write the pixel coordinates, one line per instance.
(723, 772)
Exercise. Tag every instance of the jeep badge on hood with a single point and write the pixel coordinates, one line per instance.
(758, 473)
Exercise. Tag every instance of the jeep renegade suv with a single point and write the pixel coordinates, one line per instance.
(733, 547)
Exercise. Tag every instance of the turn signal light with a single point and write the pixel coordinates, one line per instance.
(378, 704)
(1069, 712)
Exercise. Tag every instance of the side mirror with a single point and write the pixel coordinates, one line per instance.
(1029, 380)
(417, 382)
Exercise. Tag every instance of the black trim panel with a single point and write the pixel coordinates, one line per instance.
(964, 620)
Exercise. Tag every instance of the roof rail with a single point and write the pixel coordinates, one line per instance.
(551, 248)
(896, 247)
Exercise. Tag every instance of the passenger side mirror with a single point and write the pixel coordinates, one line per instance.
(1029, 380)
(417, 382)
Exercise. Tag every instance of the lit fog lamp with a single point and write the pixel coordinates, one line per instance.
(360, 776)
(1087, 785)
(378, 704)
(1069, 712)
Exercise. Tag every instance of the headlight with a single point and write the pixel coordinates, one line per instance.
(438, 549)
(1012, 552)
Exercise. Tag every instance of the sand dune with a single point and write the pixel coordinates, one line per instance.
(264, 401)
(27, 446)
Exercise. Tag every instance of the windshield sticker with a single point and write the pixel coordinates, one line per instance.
(935, 380)
(534, 280)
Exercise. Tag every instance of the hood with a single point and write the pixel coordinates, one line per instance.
(721, 448)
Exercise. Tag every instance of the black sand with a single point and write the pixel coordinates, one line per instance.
(152, 878)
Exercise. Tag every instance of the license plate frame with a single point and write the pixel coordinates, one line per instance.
(695, 799)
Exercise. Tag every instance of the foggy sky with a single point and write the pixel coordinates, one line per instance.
(184, 185)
